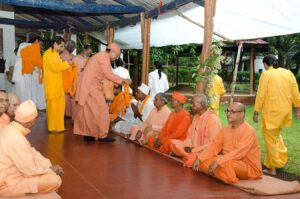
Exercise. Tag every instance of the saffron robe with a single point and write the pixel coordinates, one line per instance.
(32, 69)
(176, 127)
(277, 93)
(68, 77)
(20, 163)
(117, 107)
(201, 133)
(237, 153)
(54, 89)
(92, 118)
(156, 119)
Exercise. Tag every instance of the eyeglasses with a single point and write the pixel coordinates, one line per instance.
(232, 111)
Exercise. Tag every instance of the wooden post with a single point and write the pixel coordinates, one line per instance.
(136, 71)
(238, 57)
(145, 30)
(110, 34)
(209, 13)
(252, 79)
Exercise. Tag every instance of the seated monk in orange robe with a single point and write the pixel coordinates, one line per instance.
(202, 131)
(154, 122)
(176, 126)
(120, 102)
(235, 152)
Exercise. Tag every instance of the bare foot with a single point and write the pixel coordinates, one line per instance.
(271, 172)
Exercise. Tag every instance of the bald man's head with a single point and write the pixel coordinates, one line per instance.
(3, 102)
(199, 104)
(235, 112)
(14, 102)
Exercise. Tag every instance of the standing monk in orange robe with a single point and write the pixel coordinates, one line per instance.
(80, 61)
(68, 75)
(205, 126)
(234, 154)
(92, 118)
(176, 126)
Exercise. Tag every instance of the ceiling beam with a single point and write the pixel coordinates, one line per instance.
(75, 7)
(31, 24)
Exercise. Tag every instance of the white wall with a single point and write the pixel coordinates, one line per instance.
(8, 34)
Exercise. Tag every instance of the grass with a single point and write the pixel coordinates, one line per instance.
(291, 137)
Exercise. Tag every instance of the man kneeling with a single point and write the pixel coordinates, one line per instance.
(234, 154)
(22, 169)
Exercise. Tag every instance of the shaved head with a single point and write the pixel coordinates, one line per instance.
(201, 99)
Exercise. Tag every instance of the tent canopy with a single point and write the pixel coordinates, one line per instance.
(234, 19)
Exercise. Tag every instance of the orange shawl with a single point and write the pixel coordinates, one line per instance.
(31, 57)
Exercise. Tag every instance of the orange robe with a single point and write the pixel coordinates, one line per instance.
(156, 119)
(117, 107)
(176, 127)
(201, 133)
(237, 153)
(68, 78)
(20, 163)
(31, 57)
(92, 118)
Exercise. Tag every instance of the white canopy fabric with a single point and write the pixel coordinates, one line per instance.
(234, 19)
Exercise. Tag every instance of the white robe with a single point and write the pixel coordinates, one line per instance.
(10, 61)
(18, 78)
(157, 85)
(129, 119)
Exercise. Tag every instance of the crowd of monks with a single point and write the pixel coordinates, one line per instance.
(99, 99)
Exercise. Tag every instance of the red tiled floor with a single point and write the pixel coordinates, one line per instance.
(123, 170)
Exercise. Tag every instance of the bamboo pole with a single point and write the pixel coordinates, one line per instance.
(209, 12)
(236, 70)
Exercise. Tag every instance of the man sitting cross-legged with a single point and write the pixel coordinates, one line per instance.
(154, 122)
(22, 169)
(119, 104)
(176, 126)
(137, 112)
(234, 154)
(204, 128)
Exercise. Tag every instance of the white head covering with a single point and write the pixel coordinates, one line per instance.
(144, 88)
(26, 112)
